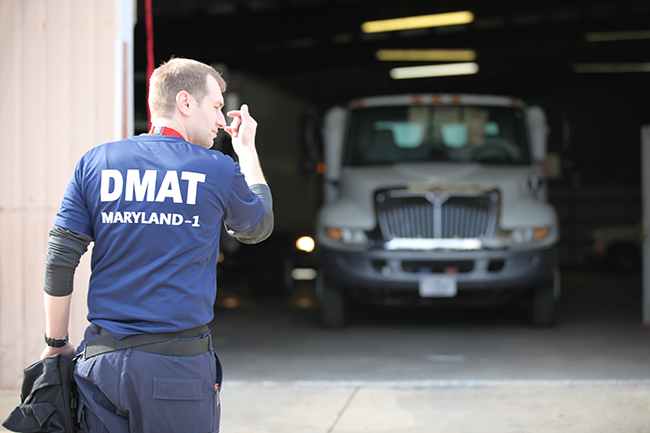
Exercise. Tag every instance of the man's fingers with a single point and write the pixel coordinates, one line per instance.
(234, 126)
(241, 119)
(243, 111)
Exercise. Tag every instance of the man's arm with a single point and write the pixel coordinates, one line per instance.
(63, 254)
(242, 131)
(264, 228)
(57, 316)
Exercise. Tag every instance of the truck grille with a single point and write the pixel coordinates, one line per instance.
(436, 213)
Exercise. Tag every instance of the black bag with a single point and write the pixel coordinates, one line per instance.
(48, 398)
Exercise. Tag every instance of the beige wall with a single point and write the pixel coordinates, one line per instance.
(62, 87)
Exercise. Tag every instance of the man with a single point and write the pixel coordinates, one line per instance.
(153, 205)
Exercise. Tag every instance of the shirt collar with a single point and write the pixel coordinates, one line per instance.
(165, 130)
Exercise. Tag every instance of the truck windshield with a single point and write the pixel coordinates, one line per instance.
(455, 133)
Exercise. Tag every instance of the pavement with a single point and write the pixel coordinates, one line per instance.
(441, 407)
(437, 406)
(455, 373)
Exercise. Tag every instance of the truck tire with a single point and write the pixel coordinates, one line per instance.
(544, 303)
(333, 307)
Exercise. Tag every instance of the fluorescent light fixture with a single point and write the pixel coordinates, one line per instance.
(629, 35)
(426, 55)
(467, 68)
(418, 22)
(605, 68)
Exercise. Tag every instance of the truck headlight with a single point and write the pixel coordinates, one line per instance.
(532, 234)
(348, 236)
(306, 244)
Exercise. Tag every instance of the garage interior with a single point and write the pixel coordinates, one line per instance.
(580, 61)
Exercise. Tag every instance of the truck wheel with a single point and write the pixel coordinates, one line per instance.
(333, 307)
(545, 301)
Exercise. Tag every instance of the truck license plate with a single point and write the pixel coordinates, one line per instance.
(438, 287)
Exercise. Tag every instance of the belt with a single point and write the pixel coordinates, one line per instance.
(170, 343)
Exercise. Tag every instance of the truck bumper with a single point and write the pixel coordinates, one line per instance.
(498, 271)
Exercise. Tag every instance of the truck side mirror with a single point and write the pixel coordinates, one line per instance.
(538, 132)
(333, 135)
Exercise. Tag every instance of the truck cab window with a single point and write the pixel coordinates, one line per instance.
(394, 134)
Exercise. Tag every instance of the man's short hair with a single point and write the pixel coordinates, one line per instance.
(175, 76)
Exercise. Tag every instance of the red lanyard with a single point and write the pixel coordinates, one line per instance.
(164, 130)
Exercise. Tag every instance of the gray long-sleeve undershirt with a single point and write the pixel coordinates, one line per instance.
(65, 247)
(265, 227)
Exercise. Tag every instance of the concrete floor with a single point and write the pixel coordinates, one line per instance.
(598, 337)
(436, 370)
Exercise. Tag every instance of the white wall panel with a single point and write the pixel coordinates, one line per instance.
(59, 87)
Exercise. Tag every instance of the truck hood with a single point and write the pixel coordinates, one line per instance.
(519, 205)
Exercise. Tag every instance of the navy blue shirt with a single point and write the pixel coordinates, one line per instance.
(154, 206)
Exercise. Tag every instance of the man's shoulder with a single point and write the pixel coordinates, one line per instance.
(176, 149)
(211, 156)
(108, 146)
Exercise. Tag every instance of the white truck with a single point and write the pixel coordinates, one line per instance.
(436, 198)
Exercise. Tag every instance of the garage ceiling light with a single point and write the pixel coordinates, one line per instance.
(605, 68)
(426, 55)
(449, 69)
(418, 22)
(617, 36)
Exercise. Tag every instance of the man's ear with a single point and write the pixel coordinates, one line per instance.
(184, 103)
